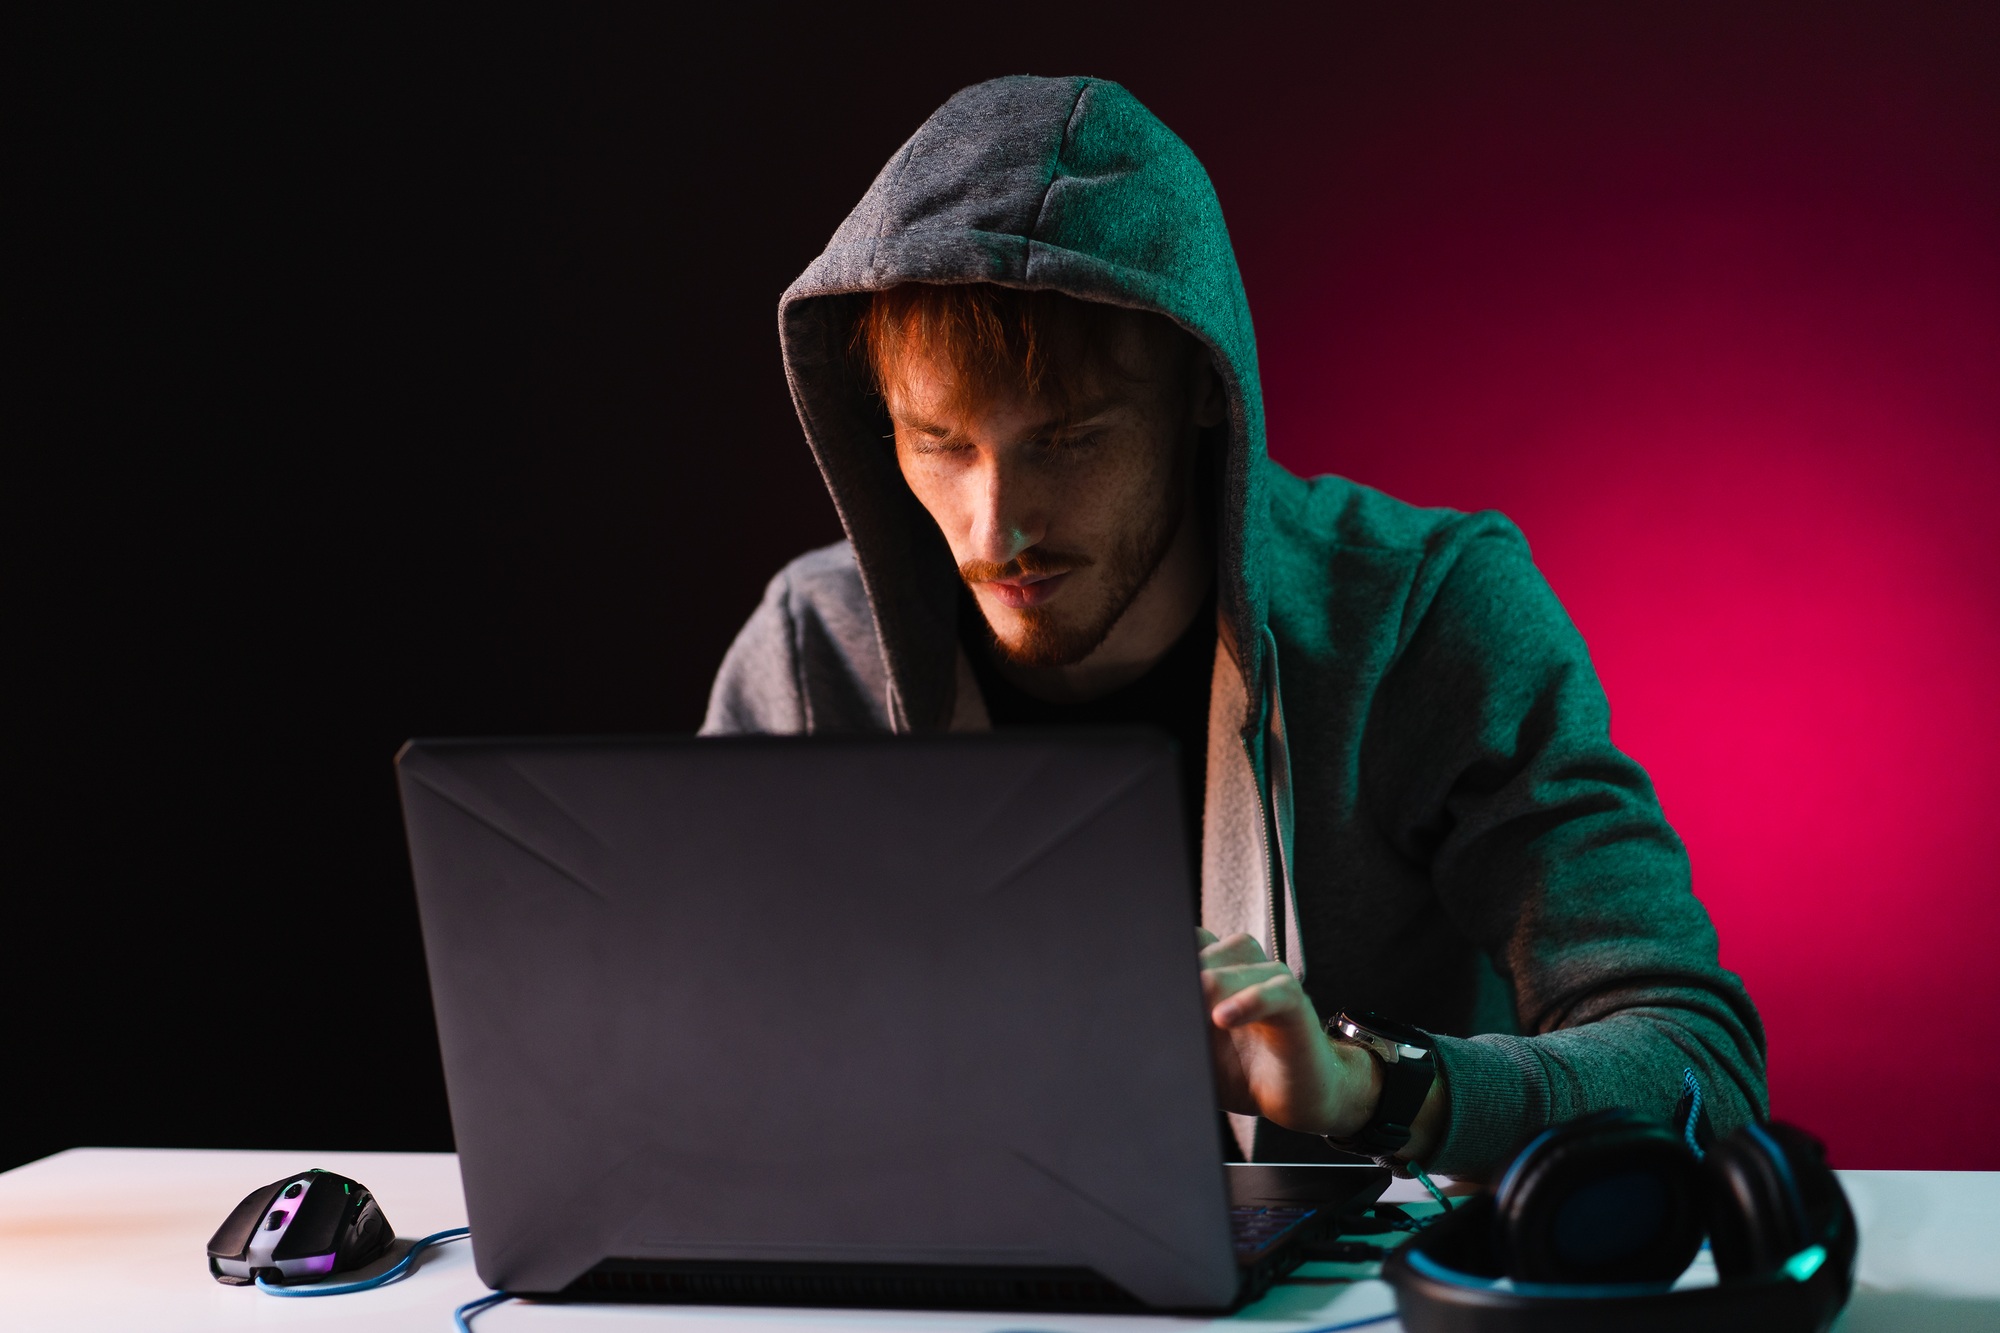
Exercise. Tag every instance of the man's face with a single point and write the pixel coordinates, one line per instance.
(1057, 521)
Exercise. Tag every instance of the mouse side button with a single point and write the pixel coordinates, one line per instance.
(232, 1238)
(319, 1218)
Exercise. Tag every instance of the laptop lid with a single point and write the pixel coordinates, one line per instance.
(862, 1001)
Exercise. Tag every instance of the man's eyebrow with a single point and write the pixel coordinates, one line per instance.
(923, 425)
(1084, 417)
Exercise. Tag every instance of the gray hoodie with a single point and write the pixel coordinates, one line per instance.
(1429, 810)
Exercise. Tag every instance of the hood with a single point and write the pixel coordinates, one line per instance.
(1062, 184)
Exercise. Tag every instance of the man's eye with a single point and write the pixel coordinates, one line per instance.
(1071, 444)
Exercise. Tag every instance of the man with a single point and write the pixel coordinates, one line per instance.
(1026, 367)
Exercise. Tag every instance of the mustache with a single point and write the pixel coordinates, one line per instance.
(1030, 562)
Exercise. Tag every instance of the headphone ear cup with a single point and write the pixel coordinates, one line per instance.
(1613, 1197)
(1771, 1195)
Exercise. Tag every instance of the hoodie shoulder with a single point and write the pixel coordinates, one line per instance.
(1347, 560)
(1331, 511)
(808, 659)
(828, 580)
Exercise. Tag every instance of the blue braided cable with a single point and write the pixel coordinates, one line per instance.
(1423, 1177)
(368, 1284)
(1693, 1088)
(461, 1318)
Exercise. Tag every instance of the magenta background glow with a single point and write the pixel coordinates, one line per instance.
(1722, 334)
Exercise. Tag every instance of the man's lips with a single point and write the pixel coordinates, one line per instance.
(1026, 590)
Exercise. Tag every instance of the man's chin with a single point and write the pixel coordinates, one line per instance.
(1039, 639)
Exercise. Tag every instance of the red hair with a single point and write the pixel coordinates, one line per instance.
(996, 342)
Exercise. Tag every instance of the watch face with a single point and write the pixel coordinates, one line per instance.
(1400, 1033)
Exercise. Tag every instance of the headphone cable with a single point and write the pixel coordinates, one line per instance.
(1423, 1177)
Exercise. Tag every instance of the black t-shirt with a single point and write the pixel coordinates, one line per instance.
(1171, 697)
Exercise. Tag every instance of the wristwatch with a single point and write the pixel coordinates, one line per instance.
(1407, 1074)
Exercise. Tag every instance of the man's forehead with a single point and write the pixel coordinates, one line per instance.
(924, 404)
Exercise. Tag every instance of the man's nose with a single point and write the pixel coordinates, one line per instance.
(1006, 516)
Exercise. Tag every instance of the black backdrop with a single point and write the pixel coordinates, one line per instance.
(381, 375)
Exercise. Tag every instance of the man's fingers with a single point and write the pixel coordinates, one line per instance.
(1224, 981)
(1261, 1002)
(1221, 984)
(1238, 949)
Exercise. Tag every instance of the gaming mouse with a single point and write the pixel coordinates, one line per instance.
(304, 1226)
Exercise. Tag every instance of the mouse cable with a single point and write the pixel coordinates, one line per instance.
(461, 1318)
(367, 1284)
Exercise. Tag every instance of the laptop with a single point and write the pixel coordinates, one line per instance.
(879, 1021)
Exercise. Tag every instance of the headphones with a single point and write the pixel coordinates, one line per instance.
(1595, 1219)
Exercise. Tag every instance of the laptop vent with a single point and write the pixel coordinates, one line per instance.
(876, 1285)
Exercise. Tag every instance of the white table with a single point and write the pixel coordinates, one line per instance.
(112, 1239)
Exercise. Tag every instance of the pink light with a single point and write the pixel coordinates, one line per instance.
(1751, 426)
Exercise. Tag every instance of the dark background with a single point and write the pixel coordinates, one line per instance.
(390, 374)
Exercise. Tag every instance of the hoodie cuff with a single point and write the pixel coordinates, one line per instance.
(1498, 1095)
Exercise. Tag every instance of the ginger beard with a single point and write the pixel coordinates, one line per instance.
(1057, 635)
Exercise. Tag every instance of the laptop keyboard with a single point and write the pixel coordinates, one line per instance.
(1252, 1228)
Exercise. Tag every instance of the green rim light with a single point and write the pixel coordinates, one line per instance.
(1805, 1263)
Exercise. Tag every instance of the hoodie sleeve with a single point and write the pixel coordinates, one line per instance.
(1547, 847)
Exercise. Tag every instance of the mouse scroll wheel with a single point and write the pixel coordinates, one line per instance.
(276, 1220)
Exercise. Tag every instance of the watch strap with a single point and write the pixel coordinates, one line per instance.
(1406, 1082)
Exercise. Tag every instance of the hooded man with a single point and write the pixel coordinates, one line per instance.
(1026, 367)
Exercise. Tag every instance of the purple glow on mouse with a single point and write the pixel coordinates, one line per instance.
(350, 1234)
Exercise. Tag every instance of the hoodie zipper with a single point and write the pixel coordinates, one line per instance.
(1278, 941)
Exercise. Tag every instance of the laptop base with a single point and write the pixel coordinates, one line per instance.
(1324, 1194)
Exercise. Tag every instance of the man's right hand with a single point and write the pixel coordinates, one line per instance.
(1272, 1058)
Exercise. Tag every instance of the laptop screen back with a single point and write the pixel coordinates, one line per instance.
(848, 1001)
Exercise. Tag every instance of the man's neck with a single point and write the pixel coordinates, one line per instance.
(1153, 623)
